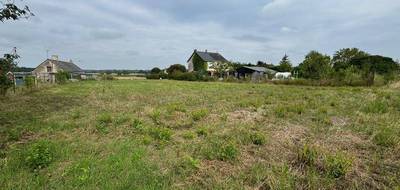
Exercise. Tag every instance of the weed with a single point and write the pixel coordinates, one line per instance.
(161, 133)
(39, 155)
(137, 124)
(104, 118)
(258, 138)
(122, 119)
(197, 115)
(202, 132)
(376, 106)
(155, 115)
(280, 112)
(103, 121)
(221, 150)
(337, 165)
(307, 155)
(386, 137)
(187, 165)
(189, 135)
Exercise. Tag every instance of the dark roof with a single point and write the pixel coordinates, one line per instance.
(65, 66)
(260, 69)
(210, 56)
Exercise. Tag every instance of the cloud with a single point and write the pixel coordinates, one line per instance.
(142, 34)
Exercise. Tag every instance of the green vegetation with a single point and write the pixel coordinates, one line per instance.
(152, 134)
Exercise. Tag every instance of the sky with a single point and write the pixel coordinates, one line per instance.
(142, 34)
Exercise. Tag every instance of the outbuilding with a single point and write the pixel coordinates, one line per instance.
(254, 73)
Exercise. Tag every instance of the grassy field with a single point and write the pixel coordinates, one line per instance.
(188, 135)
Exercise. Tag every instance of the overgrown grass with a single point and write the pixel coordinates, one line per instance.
(194, 135)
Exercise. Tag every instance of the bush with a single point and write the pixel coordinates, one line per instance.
(29, 82)
(107, 77)
(157, 76)
(62, 77)
(337, 165)
(39, 155)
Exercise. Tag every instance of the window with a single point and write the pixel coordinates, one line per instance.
(49, 69)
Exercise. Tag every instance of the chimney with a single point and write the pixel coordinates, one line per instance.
(206, 50)
(195, 50)
(70, 60)
(54, 57)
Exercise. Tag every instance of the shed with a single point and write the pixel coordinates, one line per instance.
(255, 73)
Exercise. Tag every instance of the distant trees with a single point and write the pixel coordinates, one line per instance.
(315, 66)
(10, 11)
(285, 65)
(155, 70)
(369, 66)
(342, 58)
(176, 68)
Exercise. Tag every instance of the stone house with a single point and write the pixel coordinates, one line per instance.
(46, 71)
(201, 61)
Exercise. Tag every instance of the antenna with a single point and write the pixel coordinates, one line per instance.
(14, 51)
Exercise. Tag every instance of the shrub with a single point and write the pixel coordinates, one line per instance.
(29, 82)
(39, 155)
(107, 77)
(162, 134)
(258, 138)
(337, 165)
(62, 77)
(197, 115)
(386, 137)
(157, 76)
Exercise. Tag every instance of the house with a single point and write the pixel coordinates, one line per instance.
(255, 73)
(199, 61)
(46, 71)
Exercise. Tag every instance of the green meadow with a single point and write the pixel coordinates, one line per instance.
(195, 135)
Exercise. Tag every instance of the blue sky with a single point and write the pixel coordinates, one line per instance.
(141, 34)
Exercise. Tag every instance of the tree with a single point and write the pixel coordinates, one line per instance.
(221, 68)
(285, 65)
(176, 68)
(7, 63)
(376, 64)
(342, 58)
(155, 70)
(315, 66)
(10, 11)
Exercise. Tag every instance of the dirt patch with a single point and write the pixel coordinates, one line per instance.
(395, 85)
(244, 116)
(339, 121)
